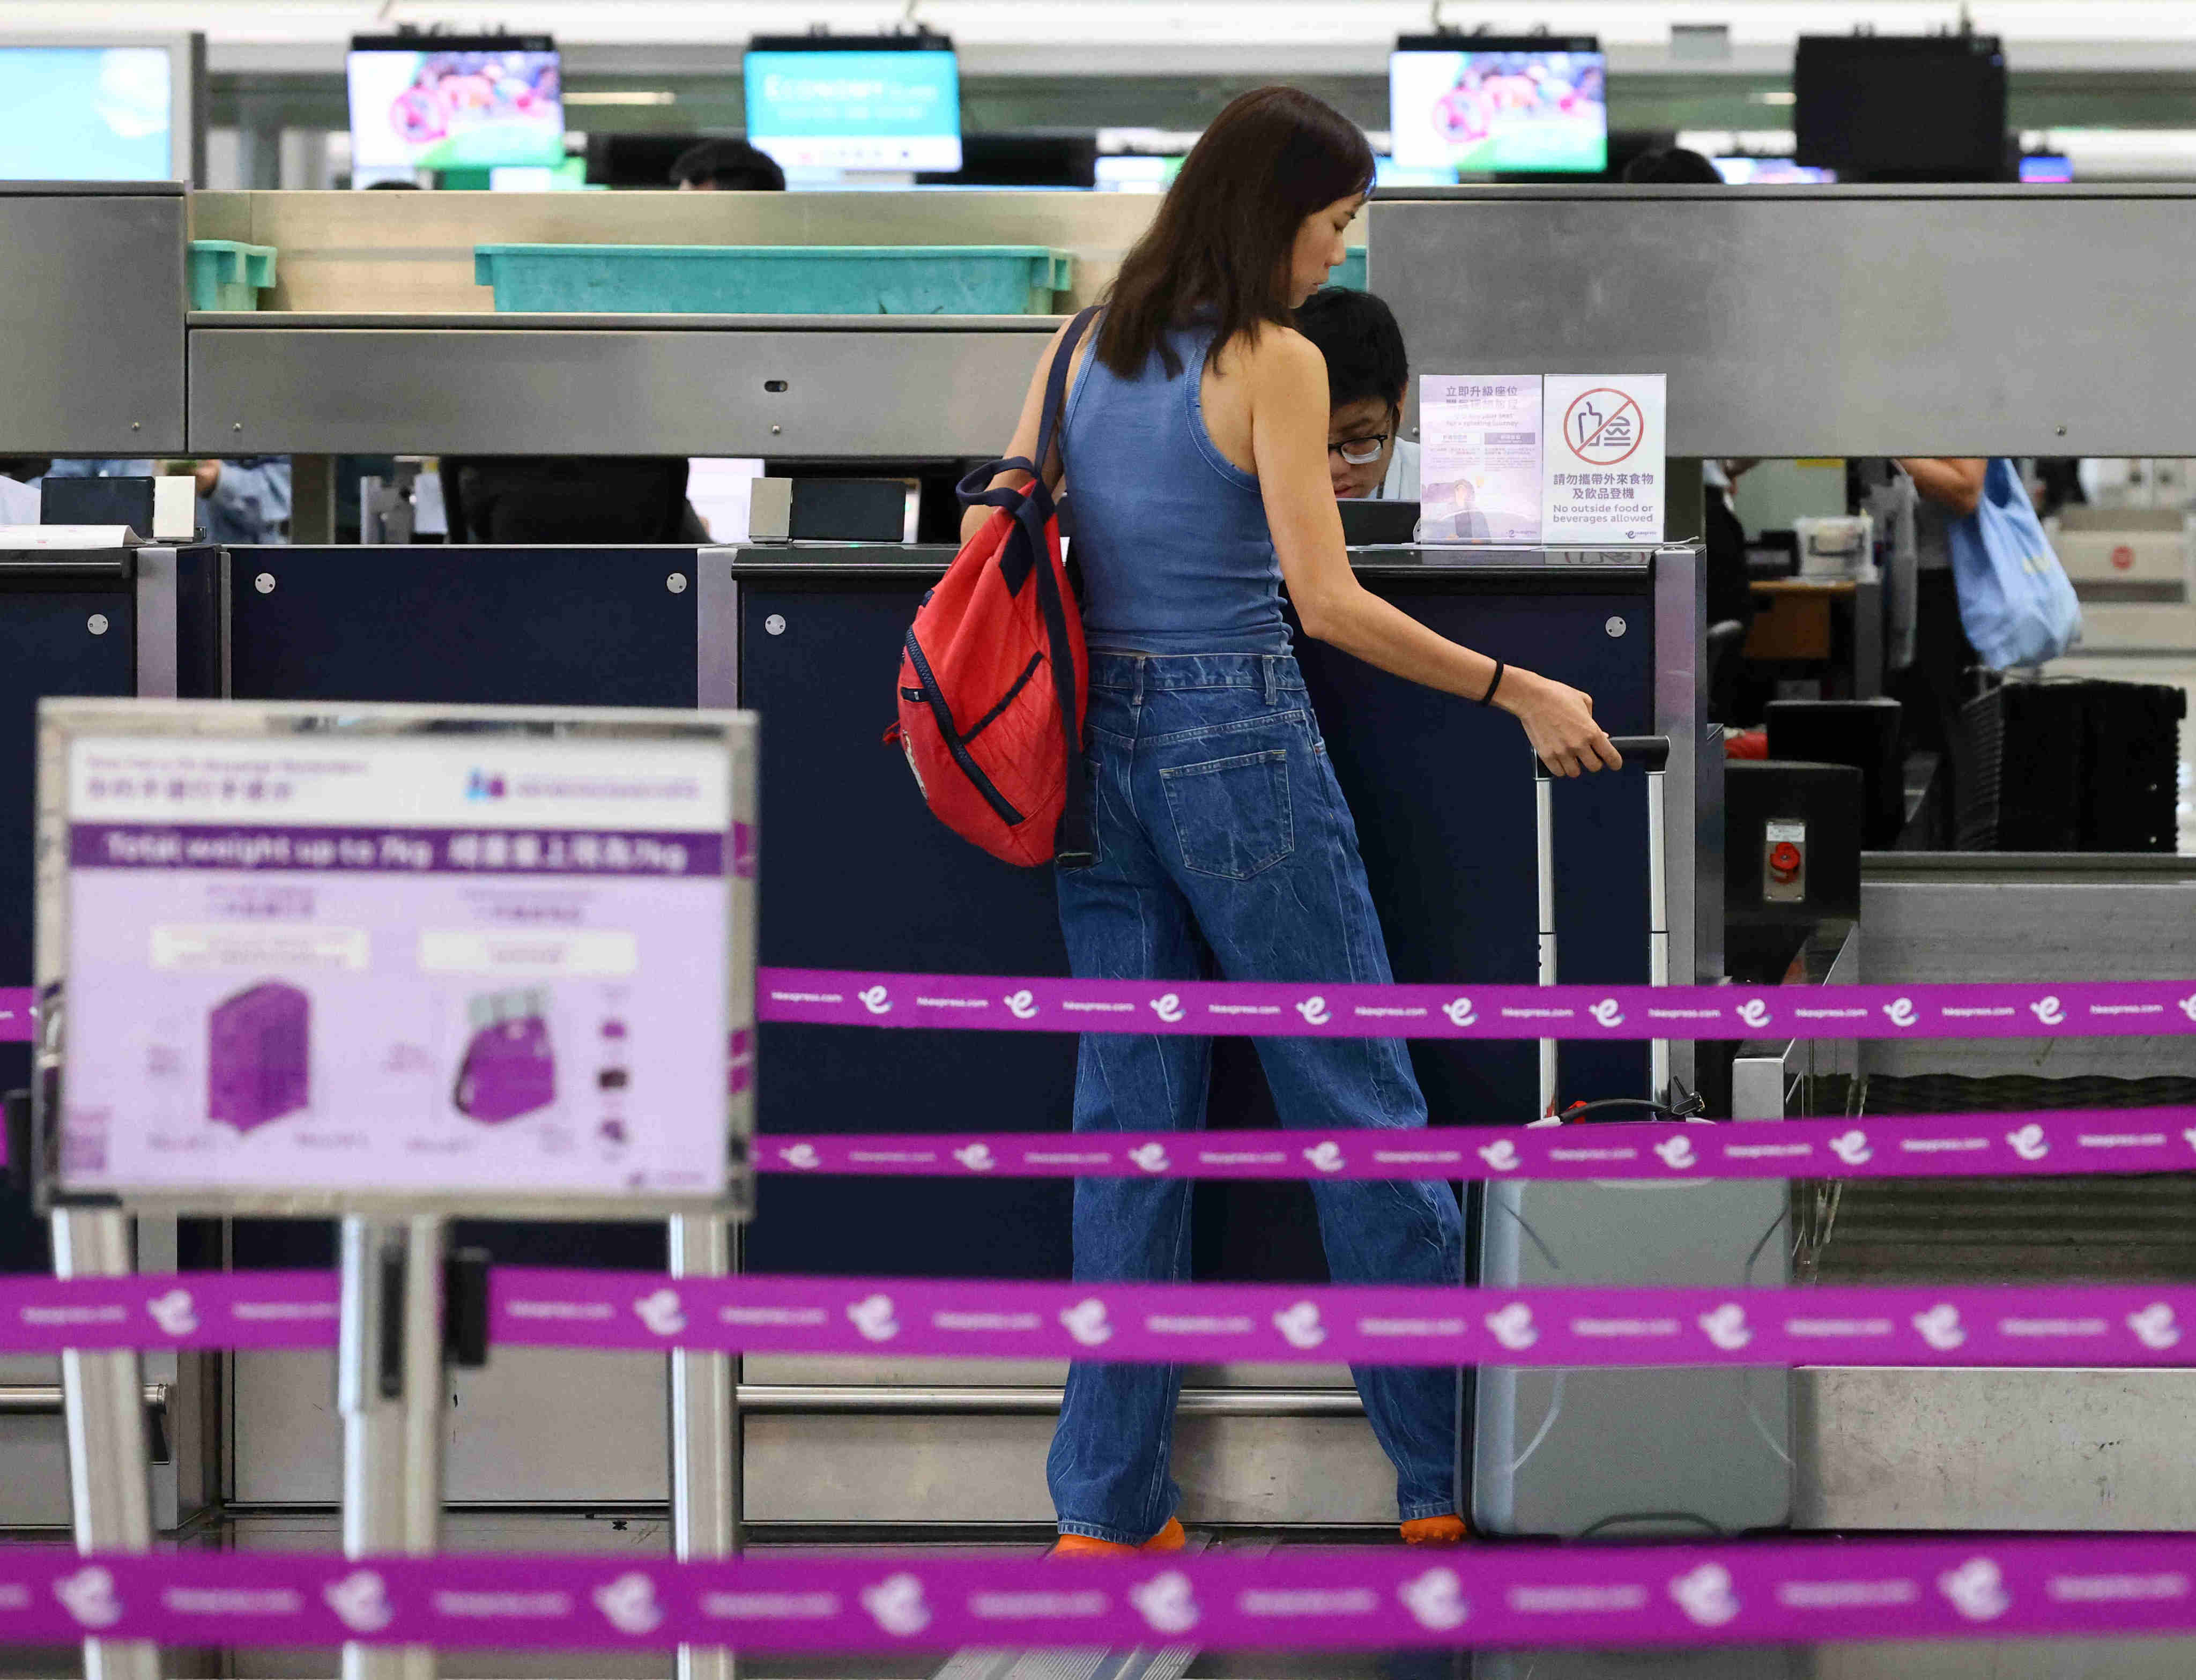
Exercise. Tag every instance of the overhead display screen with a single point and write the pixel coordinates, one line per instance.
(86, 113)
(1930, 107)
(865, 105)
(1533, 105)
(454, 103)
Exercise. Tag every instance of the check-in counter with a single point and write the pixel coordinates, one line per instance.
(859, 875)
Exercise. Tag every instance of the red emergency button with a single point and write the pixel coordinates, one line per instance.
(1784, 862)
(2123, 558)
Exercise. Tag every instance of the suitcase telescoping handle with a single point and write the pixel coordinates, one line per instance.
(1649, 753)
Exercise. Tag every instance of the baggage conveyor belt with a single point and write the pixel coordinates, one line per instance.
(1900, 1449)
(2089, 1229)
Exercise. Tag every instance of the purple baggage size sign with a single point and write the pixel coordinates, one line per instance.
(441, 965)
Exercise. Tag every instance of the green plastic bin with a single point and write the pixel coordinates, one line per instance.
(739, 280)
(226, 276)
(1350, 272)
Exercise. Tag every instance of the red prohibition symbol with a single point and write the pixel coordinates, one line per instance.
(1605, 432)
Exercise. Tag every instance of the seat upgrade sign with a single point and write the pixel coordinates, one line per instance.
(479, 964)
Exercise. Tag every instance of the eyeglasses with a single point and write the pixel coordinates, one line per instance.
(1360, 451)
(1364, 450)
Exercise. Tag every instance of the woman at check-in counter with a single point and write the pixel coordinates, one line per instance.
(1196, 434)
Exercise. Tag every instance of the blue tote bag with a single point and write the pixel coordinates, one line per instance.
(2015, 603)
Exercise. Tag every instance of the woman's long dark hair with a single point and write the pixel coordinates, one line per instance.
(1221, 241)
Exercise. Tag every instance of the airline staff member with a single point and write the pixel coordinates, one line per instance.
(1367, 378)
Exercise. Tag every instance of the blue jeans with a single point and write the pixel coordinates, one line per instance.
(1224, 848)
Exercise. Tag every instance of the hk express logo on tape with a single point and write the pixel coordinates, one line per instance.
(1501, 1156)
(628, 1604)
(1852, 1148)
(896, 1605)
(175, 1313)
(1726, 1327)
(1086, 1321)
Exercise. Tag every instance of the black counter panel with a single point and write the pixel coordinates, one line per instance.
(46, 648)
(857, 875)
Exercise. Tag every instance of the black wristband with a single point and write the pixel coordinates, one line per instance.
(1488, 699)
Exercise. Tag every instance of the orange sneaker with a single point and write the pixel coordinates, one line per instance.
(1169, 1539)
(1436, 1531)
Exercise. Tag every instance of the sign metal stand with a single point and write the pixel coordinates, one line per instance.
(389, 1380)
(705, 1445)
(103, 1398)
(557, 1063)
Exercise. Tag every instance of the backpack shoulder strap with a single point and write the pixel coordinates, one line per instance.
(976, 490)
(1053, 428)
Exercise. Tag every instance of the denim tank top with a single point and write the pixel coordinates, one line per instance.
(1170, 536)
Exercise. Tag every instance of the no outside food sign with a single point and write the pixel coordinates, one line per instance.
(1603, 471)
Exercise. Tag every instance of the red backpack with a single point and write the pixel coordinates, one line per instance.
(993, 680)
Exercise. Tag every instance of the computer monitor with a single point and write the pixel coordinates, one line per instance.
(1744, 172)
(635, 159)
(1487, 104)
(102, 108)
(1901, 107)
(1058, 162)
(568, 176)
(1135, 173)
(1387, 172)
(2047, 167)
(854, 102)
(453, 103)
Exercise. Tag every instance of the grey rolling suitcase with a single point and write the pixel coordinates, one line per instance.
(1623, 1453)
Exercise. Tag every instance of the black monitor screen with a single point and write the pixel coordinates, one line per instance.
(1916, 107)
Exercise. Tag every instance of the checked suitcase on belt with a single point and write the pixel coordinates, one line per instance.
(1629, 1452)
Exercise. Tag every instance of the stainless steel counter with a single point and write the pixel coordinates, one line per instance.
(1823, 321)
(777, 386)
(91, 315)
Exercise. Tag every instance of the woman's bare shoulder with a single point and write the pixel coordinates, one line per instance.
(1283, 358)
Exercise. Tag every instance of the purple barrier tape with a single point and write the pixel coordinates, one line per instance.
(1935, 1145)
(189, 1310)
(15, 1014)
(1372, 1598)
(2074, 1326)
(2067, 1325)
(847, 997)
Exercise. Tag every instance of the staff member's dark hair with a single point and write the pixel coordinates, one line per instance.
(1222, 240)
(729, 166)
(1357, 334)
(1676, 167)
